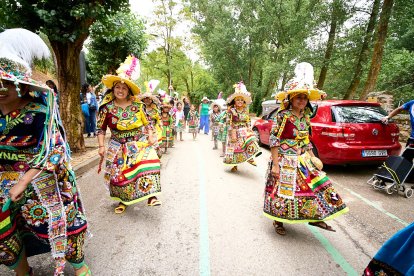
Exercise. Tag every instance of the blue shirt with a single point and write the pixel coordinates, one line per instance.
(409, 106)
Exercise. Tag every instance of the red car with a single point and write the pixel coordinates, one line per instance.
(345, 132)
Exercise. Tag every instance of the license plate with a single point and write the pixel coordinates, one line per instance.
(374, 153)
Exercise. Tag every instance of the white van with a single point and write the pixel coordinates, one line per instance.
(268, 106)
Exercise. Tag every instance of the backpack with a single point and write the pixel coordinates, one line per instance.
(94, 103)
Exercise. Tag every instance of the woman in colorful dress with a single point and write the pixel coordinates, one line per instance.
(193, 120)
(132, 167)
(297, 190)
(241, 144)
(215, 124)
(151, 103)
(167, 125)
(40, 206)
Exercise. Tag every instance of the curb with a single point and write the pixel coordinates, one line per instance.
(86, 165)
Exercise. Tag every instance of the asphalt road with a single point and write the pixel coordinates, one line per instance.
(211, 223)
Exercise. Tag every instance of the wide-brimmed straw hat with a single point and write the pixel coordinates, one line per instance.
(240, 90)
(302, 83)
(154, 98)
(205, 99)
(213, 104)
(18, 48)
(128, 72)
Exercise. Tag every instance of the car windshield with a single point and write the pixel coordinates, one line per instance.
(358, 114)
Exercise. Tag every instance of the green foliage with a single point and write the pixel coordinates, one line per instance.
(60, 20)
(112, 39)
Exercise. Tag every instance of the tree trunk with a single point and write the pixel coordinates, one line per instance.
(330, 45)
(376, 60)
(68, 73)
(363, 55)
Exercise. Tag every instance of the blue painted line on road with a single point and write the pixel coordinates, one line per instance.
(336, 256)
(204, 258)
(375, 205)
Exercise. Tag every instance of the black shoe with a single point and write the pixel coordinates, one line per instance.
(89, 135)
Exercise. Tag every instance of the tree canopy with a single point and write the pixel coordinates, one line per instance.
(111, 40)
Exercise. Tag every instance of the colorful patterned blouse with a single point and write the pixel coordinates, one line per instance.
(21, 133)
(237, 119)
(290, 133)
(125, 124)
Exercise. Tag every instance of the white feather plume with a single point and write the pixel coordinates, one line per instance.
(304, 75)
(22, 46)
(152, 84)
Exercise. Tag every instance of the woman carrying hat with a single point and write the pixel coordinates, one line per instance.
(132, 167)
(215, 124)
(241, 145)
(152, 103)
(40, 206)
(297, 190)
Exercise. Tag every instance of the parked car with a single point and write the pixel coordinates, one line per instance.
(269, 106)
(344, 132)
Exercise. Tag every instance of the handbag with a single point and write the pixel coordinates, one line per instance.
(85, 109)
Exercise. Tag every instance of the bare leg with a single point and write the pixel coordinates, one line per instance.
(23, 267)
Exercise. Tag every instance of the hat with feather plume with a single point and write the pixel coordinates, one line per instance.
(18, 49)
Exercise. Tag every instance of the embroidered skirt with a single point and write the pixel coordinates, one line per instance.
(26, 225)
(167, 137)
(192, 127)
(222, 134)
(301, 194)
(132, 171)
(244, 149)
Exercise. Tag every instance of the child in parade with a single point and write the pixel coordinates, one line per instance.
(222, 135)
(297, 190)
(193, 120)
(167, 125)
(241, 144)
(132, 166)
(179, 121)
(215, 124)
(151, 103)
(40, 205)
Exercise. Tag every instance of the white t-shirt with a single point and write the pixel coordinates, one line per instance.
(179, 115)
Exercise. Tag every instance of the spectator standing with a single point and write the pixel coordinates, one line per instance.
(204, 116)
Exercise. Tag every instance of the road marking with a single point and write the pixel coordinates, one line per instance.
(338, 258)
(204, 261)
(375, 205)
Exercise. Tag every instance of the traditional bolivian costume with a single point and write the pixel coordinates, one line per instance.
(132, 167)
(302, 192)
(50, 215)
(241, 144)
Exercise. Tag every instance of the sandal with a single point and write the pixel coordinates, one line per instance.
(222, 155)
(120, 208)
(323, 225)
(252, 162)
(234, 169)
(279, 228)
(153, 201)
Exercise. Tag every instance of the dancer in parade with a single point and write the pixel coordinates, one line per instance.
(297, 190)
(241, 144)
(193, 120)
(215, 123)
(40, 203)
(179, 121)
(152, 103)
(132, 167)
(167, 125)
